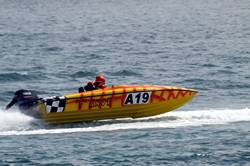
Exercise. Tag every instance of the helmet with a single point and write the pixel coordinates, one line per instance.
(100, 78)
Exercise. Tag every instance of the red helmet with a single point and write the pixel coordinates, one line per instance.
(100, 78)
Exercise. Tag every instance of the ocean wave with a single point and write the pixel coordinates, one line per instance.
(53, 49)
(209, 65)
(84, 39)
(23, 34)
(19, 124)
(222, 72)
(208, 84)
(82, 74)
(9, 77)
(126, 73)
(93, 56)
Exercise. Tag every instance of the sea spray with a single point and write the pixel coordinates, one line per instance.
(14, 120)
(169, 120)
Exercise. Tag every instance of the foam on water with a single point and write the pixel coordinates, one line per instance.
(15, 123)
(14, 120)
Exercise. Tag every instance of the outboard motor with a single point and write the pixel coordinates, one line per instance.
(26, 101)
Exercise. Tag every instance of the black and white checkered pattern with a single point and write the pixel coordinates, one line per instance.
(55, 104)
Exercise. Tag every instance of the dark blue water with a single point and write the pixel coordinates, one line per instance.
(53, 47)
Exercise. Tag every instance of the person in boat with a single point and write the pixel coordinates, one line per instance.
(24, 99)
(98, 84)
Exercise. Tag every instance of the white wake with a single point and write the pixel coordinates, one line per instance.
(14, 123)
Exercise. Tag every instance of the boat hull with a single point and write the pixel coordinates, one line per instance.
(115, 102)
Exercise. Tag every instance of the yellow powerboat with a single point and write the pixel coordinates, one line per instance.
(123, 101)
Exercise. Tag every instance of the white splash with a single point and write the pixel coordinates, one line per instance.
(14, 120)
(169, 120)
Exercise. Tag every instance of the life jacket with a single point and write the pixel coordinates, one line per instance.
(91, 86)
(99, 85)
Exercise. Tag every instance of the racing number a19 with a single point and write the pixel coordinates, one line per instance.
(137, 98)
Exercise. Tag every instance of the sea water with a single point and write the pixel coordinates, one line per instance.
(54, 47)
